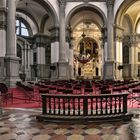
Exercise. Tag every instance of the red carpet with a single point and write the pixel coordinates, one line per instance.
(22, 99)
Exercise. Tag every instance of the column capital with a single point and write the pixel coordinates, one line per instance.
(62, 3)
(110, 3)
(134, 39)
(127, 41)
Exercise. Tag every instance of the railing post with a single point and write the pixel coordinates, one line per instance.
(85, 106)
(125, 103)
(43, 104)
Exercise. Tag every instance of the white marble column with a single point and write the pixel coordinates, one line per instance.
(3, 42)
(118, 52)
(132, 57)
(109, 67)
(110, 30)
(62, 31)
(63, 66)
(2, 27)
(11, 60)
(11, 31)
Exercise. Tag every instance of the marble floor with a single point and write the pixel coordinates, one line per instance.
(21, 124)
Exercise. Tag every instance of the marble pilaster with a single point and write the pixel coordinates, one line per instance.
(132, 57)
(43, 67)
(118, 52)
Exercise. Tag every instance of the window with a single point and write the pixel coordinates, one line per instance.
(21, 29)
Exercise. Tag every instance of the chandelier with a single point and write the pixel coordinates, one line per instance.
(84, 56)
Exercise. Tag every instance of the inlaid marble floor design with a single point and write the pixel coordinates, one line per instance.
(21, 124)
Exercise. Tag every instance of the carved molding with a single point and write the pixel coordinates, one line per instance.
(135, 39)
(127, 41)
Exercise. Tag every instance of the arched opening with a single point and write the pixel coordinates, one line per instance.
(127, 17)
(86, 25)
(35, 19)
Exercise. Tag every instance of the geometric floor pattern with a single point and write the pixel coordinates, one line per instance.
(21, 124)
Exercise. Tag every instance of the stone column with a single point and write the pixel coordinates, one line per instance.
(12, 62)
(119, 52)
(2, 38)
(3, 43)
(62, 31)
(109, 67)
(63, 64)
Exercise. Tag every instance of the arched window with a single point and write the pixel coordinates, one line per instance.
(21, 28)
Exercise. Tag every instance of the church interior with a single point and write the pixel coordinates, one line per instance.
(69, 69)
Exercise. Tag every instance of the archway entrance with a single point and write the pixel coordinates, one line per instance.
(127, 17)
(87, 50)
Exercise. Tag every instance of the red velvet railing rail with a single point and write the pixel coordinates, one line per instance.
(83, 106)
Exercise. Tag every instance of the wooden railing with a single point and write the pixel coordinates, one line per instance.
(89, 107)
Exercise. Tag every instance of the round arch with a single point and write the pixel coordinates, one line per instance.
(28, 15)
(88, 7)
(122, 10)
(48, 7)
